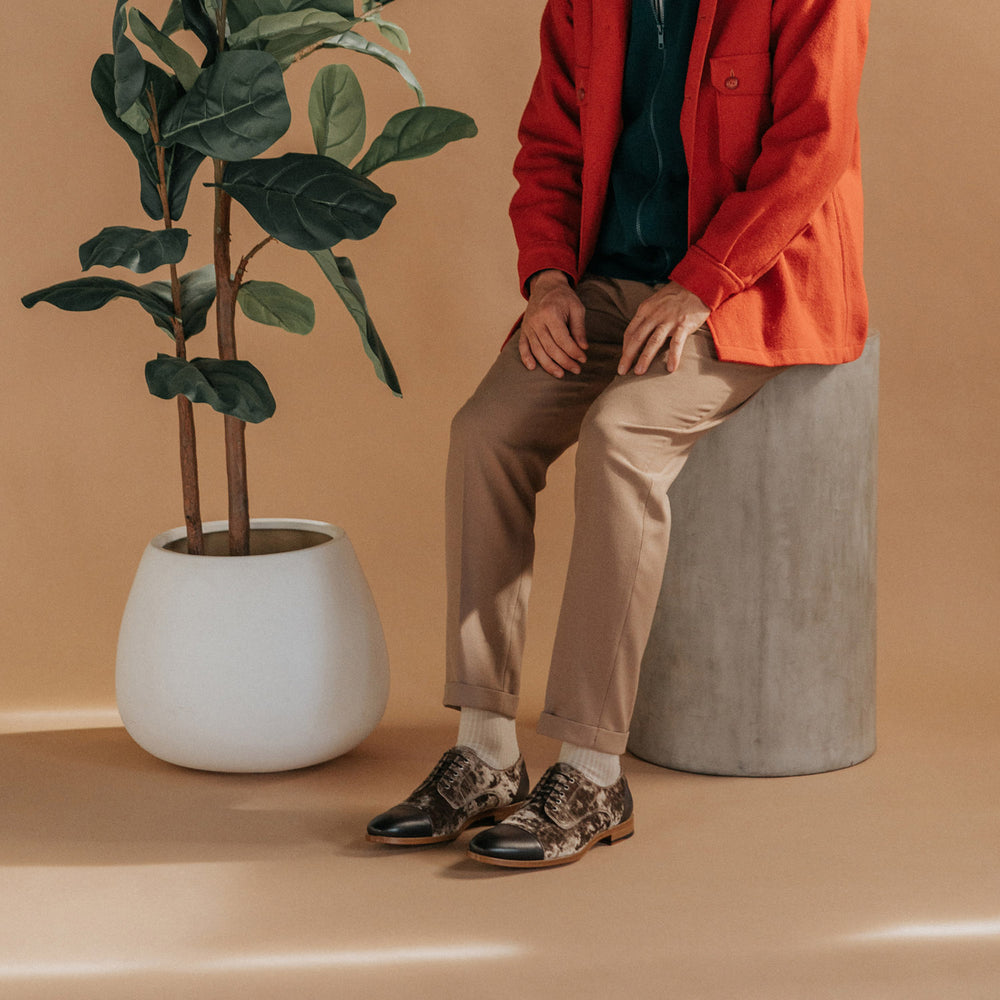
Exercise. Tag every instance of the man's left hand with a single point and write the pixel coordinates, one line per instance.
(670, 313)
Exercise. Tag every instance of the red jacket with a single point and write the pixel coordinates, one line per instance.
(770, 132)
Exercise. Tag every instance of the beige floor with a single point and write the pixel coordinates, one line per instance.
(123, 877)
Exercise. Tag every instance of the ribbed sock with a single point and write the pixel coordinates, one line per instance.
(601, 768)
(489, 734)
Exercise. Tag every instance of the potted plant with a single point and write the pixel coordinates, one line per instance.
(274, 659)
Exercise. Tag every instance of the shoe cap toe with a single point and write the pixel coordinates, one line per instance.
(508, 843)
(401, 821)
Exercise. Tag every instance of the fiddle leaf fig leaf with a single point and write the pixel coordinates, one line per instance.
(197, 20)
(139, 250)
(174, 20)
(241, 13)
(285, 35)
(181, 162)
(337, 113)
(235, 388)
(416, 132)
(308, 202)
(185, 68)
(274, 304)
(340, 273)
(343, 7)
(395, 34)
(88, 294)
(137, 118)
(129, 69)
(354, 42)
(197, 296)
(236, 109)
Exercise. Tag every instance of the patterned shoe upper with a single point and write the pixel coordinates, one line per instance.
(462, 785)
(567, 811)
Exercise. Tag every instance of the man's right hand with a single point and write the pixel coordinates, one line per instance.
(552, 332)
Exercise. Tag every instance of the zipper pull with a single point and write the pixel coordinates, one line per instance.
(658, 15)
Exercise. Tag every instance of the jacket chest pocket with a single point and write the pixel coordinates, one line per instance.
(742, 87)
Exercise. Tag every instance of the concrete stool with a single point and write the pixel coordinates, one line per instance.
(761, 659)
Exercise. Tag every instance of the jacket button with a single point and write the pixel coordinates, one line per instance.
(732, 81)
(580, 94)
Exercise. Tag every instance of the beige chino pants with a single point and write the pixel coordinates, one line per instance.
(634, 433)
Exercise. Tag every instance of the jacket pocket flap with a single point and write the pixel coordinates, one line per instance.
(747, 74)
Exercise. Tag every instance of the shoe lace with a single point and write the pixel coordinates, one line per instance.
(553, 788)
(447, 770)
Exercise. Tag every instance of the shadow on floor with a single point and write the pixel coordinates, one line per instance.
(93, 797)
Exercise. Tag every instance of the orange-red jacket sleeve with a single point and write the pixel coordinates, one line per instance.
(817, 57)
(545, 211)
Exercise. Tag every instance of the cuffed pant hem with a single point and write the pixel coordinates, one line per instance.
(457, 695)
(591, 737)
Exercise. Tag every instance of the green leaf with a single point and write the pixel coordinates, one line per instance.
(88, 294)
(236, 109)
(130, 72)
(343, 7)
(416, 132)
(337, 113)
(184, 67)
(395, 34)
(137, 249)
(235, 388)
(198, 21)
(285, 35)
(174, 20)
(357, 43)
(276, 305)
(241, 13)
(197, 296)
(339, 272)
(137, 118)
(181, 162)
(307, 202)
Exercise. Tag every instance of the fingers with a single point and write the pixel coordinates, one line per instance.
(677, 343)
(670, 313)
(642, 342)
(552, 332)
(556, 352)
(577, 327)
(524, 349)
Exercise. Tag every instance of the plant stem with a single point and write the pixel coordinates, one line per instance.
(245, 261)
(225, 320)
(185, 409)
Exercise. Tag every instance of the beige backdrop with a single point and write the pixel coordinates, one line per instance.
(88, 458)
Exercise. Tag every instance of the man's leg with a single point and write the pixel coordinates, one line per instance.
(633, 442)
(503, 441)
(502, 444)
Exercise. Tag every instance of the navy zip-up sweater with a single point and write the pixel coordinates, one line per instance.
(644, 227)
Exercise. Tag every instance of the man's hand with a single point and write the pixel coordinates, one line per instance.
(670, 312)
(552, 332)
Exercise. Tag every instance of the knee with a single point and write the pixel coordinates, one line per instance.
(600, 438)
(469, 425)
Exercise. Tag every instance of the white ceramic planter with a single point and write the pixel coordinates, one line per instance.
(259, 663)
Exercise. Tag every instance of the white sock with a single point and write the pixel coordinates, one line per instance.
(601, 768)
(491, 735)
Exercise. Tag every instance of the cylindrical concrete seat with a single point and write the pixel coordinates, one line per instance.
(761, 659)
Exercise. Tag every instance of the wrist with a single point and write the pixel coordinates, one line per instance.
(549, 278)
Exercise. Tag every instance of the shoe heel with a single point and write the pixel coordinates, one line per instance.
(621, 832)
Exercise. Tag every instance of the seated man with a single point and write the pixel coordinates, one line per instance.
(688, 219)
